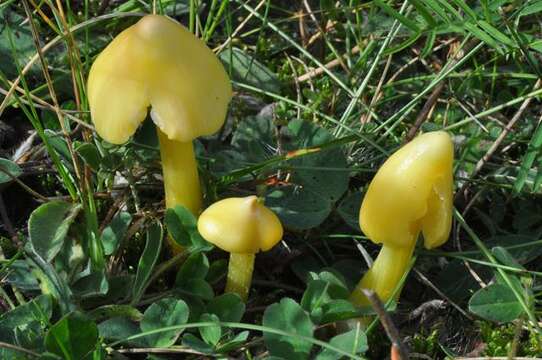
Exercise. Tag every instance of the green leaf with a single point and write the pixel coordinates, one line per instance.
(59, 144)
(92, 283)
(482, 35)
(113, 310)
(314, 297)
(253, 138)
(349, 209)
(495, 302)
(182, 226)
(228, 307)
(353, 341)
(338, 310)
(298, 208)
(317, 181)
(73, 337)
(11, 168)
(48, 226)
(21, 37)
(120, 328)
(195, 287)
(534, 150)
(38, 309)
(288, 316)
(192, 342)
(196, 266)
(238, 341)
(113, 233)
(496, 34)
(148, 260)
(90, 154)
(20, 275)
(324, 172)
(49, 281)
(217, 271)
(247, 70)
(161, 314)
(424, 12)
(30, 335)
(394, 14)
(211, 334)
(531, 8)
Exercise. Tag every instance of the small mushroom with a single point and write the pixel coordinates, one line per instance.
(242, 227)
(411, 193)
(158, 63)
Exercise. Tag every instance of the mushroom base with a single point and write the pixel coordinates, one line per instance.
(385, 275)
(240, 270)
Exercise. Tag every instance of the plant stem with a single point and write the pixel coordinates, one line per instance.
(240, 274)
(181, 179)
(385, 274)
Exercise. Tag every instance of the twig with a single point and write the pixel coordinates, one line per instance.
(387, 323)
(426, 281)
(18, 348)
(330, 65)
(24, 186)
(424, 112)
(170, 350)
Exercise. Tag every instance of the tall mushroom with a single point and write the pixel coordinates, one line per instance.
(158, 63)
(411, 193)
(242, 227)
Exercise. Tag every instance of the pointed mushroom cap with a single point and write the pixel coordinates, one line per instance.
(157, 62)
(412, 192)
(240, 225)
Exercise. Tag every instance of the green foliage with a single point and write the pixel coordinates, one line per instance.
(147, 261)
(48, 226)
(182, 227)
(499, 340)
(288, 316)
(8, 170)
(113, 234)
(245, 69)
(162, 314)
(73, 337)
(495, 302)
(353, 342)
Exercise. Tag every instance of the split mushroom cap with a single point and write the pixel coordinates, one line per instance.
(412, 192)
(157, 62)
(240, 225)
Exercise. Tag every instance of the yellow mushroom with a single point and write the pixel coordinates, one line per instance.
(158, 63)
(242, 227)
(411, 193)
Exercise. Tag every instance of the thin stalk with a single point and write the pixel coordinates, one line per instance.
(240, 270)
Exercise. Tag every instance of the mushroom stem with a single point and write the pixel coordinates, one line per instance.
(385, 274)
(240, 274)
(181, 179)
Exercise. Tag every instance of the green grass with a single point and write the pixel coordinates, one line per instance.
(362, 78)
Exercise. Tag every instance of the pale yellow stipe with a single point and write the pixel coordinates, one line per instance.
(240, 270)
(384, 276)
(181, 179)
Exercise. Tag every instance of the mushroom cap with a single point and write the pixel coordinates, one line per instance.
(412, 192)
(157, 62)
(240, 225)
